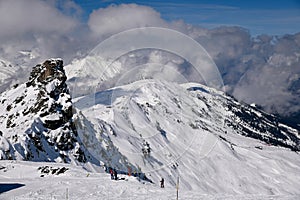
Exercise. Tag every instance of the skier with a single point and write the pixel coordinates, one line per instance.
(111, 171)
(129, 171)
(116, 174)
(162, 185)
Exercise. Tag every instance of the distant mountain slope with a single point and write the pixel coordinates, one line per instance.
(197, 133)
(8, 75)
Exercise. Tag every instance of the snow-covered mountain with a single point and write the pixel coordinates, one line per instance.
(15, 70)
(104, 72)
(36, 118)
(197, 133)
(79, 71)
(152, 129)
(8, 74)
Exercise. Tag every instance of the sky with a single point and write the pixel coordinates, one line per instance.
(259, 16)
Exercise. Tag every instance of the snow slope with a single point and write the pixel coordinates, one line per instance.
(76, 183)
(10, 75)
(16, 68)
(198, 134)
(79, 71)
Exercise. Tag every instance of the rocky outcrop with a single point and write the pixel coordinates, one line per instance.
(37, 119)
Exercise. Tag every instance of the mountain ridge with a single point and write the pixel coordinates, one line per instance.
(188, 127)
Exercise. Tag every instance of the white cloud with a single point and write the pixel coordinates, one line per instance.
(41, 27)
(34, 30)
(271, 77)
(117, 18)
(32, 16)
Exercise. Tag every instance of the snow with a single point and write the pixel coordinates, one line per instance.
(185, 134)
(52, 85)
(77, 183)
(89, 68)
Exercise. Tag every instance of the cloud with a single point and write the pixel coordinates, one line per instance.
(34, 30)
(32, 16)
(45, 28)
(273, 75)
(117, 18)
(262, 70)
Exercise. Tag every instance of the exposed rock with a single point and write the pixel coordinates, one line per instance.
(43, 106)
(46, 170)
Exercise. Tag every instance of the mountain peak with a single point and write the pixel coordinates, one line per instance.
(37, 118)
(51, 69)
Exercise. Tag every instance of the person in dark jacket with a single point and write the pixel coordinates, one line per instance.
(116, 174)
(111, 171)
(162, 183)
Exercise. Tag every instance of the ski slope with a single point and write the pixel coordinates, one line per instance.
(76, 183)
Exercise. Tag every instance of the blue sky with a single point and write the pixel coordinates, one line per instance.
(275, 17)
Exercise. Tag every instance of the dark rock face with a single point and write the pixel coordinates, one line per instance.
(44, 108)
(254, 123)
(46, 170)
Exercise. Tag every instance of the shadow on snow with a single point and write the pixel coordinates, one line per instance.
(4, 187)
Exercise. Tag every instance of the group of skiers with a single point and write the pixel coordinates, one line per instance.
(114, 176)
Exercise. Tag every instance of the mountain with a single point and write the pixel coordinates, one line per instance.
(79, 71)
(151, 129)
(8, 75)
(16, 70)
(38, 123)
(36, 118)
(212, 142)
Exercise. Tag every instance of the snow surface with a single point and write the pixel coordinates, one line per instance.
(76, 183)
(84, 75)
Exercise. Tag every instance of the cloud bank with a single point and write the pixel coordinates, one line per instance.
(22, 17)
(264, 69)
